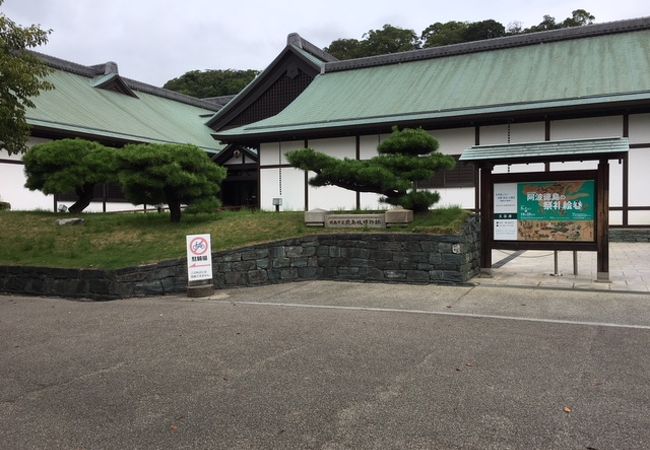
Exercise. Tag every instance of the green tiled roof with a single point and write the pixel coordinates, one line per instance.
(78, 107)
(578, 71)
(532, 150)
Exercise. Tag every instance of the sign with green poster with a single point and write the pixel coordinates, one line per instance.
(545, 211)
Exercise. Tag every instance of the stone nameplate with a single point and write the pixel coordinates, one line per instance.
(355, 221)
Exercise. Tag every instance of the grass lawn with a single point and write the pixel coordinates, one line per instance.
(112, 241)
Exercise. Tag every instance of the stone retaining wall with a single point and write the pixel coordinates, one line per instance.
(389, 257)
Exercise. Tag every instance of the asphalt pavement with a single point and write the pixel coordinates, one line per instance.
(329, 365)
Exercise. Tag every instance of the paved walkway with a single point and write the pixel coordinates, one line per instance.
(629, 265)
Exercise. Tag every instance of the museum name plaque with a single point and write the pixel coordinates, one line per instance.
(545, 211)
(355, 221)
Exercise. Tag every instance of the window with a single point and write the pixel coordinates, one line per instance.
(462, 175)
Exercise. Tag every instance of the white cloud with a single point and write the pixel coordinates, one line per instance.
(154, 41)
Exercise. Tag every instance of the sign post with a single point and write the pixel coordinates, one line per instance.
(199, 265)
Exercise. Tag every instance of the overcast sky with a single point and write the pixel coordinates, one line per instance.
(153, 41)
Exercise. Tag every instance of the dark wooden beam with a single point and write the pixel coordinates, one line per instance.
(486, 217)
(357, 154)
(602, 221)
(306, 182)
(626, 172)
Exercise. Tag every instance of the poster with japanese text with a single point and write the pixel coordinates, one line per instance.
(547, 211)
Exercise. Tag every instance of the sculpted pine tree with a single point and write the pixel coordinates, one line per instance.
(407, 156)
(69, 165)
(172, 174)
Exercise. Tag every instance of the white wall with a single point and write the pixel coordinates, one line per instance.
(639, 162)
(13, 190)
(286, 183)
(368, 146)
(594, 127)
(454, 141)
(12, 185)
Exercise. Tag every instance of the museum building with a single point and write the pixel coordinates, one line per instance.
(563, 85)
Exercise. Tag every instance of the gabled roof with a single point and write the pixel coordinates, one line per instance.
(90, 101)
(296, 45)
(228, 152)
(591, 65)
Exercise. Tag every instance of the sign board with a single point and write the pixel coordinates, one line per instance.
(355, 221)
(545, 211)
(199, 257)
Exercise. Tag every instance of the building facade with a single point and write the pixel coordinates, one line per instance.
(585, 82)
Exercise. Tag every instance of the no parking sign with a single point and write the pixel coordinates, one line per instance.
(199, 257)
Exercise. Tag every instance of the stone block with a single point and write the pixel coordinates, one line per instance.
(230, 257)
(277, 252)
(417, 276)
(335, 252)
(70, 221)
(289, 274)
(244, 265)
(280, 262)
(375, 274)
(255, 254)
(398, 216)
(257, 276)
(299, 262)
(380, 255)
(315, 217)
(293, 251)
(235, 278)
(358, 253)
(329, 272)
(308, 272)
(395, 274)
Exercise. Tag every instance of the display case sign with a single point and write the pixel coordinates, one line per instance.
(545, 211)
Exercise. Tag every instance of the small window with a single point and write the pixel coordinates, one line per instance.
(462, 175)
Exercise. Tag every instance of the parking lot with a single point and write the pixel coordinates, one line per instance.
(329, 365)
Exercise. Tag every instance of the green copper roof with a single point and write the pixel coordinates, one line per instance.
(532, 150)
(579, 71)
(76, 106)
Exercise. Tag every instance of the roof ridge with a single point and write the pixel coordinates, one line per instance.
(300, 42)
(519, 40)
(99, 69)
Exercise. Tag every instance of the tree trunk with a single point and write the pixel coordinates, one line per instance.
(84, 197)
(174, 211)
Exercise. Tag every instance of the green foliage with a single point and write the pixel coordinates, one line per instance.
(5, 206)
(211, 83)
(405, 157)
(452, 32)
(416, 200)
(409, 141)
(21, 76)
(485, 29)
(169, 173)
(578, 18)
(346, 49)
(392, 39)
(389, 39)
(69, 165)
